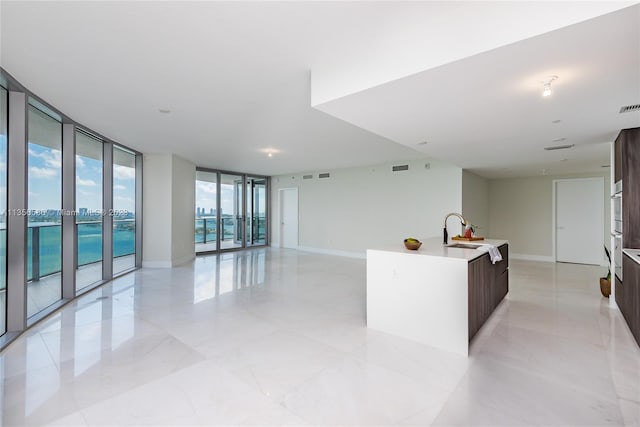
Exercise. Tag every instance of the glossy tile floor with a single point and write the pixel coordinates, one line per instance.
(278, 337)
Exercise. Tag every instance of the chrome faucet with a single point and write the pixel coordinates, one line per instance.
(463, 222)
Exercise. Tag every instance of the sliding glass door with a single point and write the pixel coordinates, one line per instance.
(256, 211)
(231, 211)
(206, 211)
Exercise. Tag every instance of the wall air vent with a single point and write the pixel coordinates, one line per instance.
(630, 108)
(324, 175)
(307, 176)
(559, 147)
(400, 168)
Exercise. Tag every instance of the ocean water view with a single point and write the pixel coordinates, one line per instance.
(89, 245)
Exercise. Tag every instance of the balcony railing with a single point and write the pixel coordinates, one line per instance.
(44, 246)
(206, 230)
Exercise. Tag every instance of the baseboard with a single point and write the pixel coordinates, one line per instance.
(183, 260)
(348, 254)
(168, 264)
(527, 257)
(156, 264)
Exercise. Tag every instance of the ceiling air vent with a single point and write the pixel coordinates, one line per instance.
(559, 147)
(324, 175)
(307, 176)
(400, 168)
(630, 108)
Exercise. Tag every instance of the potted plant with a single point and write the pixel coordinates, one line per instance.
(605, 282)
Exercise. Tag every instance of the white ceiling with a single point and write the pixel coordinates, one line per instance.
(237, 78)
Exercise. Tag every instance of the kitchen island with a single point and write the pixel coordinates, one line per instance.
(438, 295)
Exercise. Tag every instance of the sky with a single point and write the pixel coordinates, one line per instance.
(45, 181)
(206, 197)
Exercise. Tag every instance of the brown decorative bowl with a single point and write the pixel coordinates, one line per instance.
(605, 287)
(413, 245)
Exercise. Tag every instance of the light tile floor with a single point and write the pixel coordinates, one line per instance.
(48, 290)
(278, 337)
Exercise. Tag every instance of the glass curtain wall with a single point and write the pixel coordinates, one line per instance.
(206, 235)
(231, 211)
(3, 209)
(256, 211)
(44, 205)
(124, 210)
(89, 214)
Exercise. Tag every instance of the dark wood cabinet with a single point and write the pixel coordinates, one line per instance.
(617, 150)
(629, 299)
(627, 169)
(488, 285)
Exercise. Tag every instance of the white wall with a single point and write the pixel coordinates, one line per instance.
(475, 202)
(183, 191)
(156, 209)
(521, 211)
(360, 208)
(168, 198)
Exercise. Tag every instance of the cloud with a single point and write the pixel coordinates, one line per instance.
(42, 172)
(52, 158)
(206, 187)
(119, 187)
(79, 161)
(3, 166)
(123, 199)
(123, 173)
(85, 182)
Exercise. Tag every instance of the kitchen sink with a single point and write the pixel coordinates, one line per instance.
(463, 246)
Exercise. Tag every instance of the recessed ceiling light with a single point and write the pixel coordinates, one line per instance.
(546, 85)
(422, 143)
(269, 151)
(556, 121)
(164, 110)
(558, 139)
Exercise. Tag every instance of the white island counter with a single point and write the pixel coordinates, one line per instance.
(425, 295)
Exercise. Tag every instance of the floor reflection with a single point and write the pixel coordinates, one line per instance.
(215, 275)
(284, 333)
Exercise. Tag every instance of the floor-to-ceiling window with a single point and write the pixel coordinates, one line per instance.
(256, 211)
(89, 213)
(3, 209)
(206, 236)
(44, 206)
(62, 187)
(231, 210)
(124, 209)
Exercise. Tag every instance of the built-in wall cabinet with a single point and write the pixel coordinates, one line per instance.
(70, 204)
(627, 171)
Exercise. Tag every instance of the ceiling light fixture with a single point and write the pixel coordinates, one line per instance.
(270, 154)
(546, 91)
(164, 110)
(558, 139)
(422, 143)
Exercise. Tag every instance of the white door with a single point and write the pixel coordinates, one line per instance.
(580, 220)
(289, 217)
